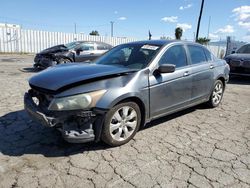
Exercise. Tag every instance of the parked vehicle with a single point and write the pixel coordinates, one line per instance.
(239, 61)
(124, 89)
(78, 51)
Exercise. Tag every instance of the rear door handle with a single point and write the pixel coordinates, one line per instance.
(211, 66)
(186, 73)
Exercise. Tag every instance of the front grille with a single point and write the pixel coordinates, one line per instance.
(240, 70)
(41, 99)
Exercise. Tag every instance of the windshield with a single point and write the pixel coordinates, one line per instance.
(133, 56)
(71, 45)
(244, 49)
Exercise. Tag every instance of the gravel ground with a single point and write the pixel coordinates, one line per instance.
(198, 147)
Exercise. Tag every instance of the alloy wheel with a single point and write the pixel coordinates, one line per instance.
(217, 93)
(123, 123)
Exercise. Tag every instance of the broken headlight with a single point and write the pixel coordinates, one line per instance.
(76, 102)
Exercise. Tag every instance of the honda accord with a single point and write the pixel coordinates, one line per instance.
(112, 98)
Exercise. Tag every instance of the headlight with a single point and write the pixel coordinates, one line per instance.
(76, 102)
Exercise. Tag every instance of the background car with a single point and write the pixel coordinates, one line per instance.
(239, 61)
(78, 51)
(124, 89)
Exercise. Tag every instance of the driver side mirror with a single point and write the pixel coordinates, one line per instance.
(166, 68)
(233, 52)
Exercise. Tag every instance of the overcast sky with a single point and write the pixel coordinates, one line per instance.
(132, 18)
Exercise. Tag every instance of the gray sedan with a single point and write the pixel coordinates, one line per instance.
(239, 62)
(124, 89)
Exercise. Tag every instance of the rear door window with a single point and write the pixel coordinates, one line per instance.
(197, 54)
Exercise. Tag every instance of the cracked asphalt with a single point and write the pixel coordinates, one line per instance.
(198, 147)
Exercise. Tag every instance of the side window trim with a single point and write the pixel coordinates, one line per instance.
(206, 51)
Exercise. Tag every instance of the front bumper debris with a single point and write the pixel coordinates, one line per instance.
(75, 126)
(36, 114)
(43, 62)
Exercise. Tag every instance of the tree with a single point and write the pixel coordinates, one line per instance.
(94, 33)
(178, 33)
(163, 37)
(203, 40)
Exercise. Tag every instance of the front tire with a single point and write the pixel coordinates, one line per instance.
(63, 60)
(121, 123)
(216, 95)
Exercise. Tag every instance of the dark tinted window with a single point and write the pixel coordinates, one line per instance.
(197, 54)
(208, 55)
(244, 49)
(86, 46)
(174, 55)
(101, 46)
(71, 45)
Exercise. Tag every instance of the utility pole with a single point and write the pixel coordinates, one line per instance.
(112, 28)
(199, 21)
(208, 29)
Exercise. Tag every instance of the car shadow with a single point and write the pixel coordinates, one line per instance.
(173, 116)
(19, 135)
(239, 80)
(30, 69)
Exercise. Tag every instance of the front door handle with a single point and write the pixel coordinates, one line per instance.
(186, 73)
(211, 66)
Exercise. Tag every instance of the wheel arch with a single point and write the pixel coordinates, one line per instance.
(141, 105)
(221, 78)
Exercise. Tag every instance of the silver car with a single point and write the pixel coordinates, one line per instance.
(132, 84)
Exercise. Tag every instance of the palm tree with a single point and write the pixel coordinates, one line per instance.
(199, 21)
(94, 32)
(178, 33)
(203, 40)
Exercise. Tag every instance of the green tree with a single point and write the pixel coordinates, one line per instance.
(163, 37)
(203, 40)
(178, 33)
(94, 32)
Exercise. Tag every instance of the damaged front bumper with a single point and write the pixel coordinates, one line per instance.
(78, 126)
(43, 62)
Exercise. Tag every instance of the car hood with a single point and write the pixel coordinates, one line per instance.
(237, 56)
(66, 76)
(54, 49)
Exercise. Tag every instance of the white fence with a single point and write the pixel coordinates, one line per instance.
(218, 51)
(32, 41)
(15, 40)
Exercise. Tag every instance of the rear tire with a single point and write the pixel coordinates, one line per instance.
(216, 95)
(121, 123)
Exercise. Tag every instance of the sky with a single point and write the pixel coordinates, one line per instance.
(132, 18)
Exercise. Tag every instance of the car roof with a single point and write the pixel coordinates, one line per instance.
(162, 42)
(99, 42)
